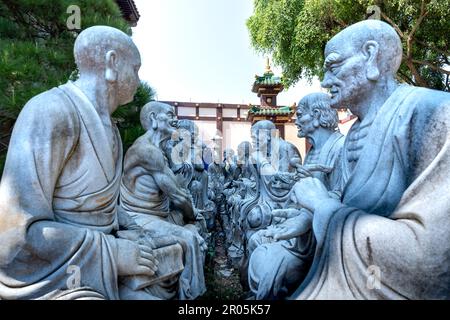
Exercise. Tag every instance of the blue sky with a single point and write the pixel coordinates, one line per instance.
(199, 51)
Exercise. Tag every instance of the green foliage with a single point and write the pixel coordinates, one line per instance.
(36, 47)
(295, 32)
(2, 162)
(36, 51)
(128, 116)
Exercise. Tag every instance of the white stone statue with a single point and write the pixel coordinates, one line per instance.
(281, 257)
(151, 194)
(389, 235)
(60, 185)
(271, 157)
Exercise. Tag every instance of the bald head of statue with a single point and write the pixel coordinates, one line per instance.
(359, 59)
(109, 55)
(159, 117)
(262, 133)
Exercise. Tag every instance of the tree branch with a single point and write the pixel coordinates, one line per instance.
(417, 77)
(405, 77)
(432, 66)
(423, 14)
(393, 24)
(433, 47)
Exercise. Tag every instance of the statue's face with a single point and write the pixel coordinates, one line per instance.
(128, 78)
(304, 122)
(260, 139)
(167, 121)
(228, 154)
(345, 73)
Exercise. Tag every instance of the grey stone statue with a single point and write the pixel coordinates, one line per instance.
(231, 173)
(271, 157)
(152, 196)
(281, 259)
(189, 168)
(388, 236)
(243, 186)
(59, 190)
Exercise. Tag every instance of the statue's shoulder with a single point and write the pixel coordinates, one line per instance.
(51, 109)
(289, 148)
(147, 153)
(429, 99)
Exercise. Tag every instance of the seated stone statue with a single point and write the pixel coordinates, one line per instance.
(277, 268)
(215, 188)
(271, 156)
(388, 237)
(242, 186)
(186, 161)
(152, 196)
(59, 190)
(230, 172)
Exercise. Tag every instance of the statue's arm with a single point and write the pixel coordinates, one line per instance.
(153, 160)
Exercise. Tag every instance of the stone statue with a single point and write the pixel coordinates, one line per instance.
(190, 170)
(231, 173)
(59, 190)
(277, 268)
(152, 196)
(216, 181)
(388, 236)
(272, 158)
(241, 187)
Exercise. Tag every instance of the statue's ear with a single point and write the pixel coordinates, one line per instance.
(316, 116)
(111, 73)
(152, 117)
(370, 50)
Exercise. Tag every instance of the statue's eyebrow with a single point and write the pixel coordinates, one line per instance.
(332, 58)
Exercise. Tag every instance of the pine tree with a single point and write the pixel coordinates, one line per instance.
(36, 53)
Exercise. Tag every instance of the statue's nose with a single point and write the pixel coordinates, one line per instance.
(175, 123)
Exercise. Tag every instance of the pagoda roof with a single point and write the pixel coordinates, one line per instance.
(268, 79)
(270, 111)
(129, 11)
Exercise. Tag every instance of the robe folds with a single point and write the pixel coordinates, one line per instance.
(143, 200)
(287, 261)
(390, 236)
(58, 201)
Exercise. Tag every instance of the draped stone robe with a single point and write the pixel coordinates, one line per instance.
(58, 198)
(151, 208)
(390, 237)
(277, 268)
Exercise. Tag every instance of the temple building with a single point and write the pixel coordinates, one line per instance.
(229, 124)
(129, 11)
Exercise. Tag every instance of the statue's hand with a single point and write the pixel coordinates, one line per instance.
(307, 170)
(194, 229)
(291, 228)
(310, 192)
(135, 259)
(280, 215)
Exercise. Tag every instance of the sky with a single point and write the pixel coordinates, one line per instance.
(199, 51)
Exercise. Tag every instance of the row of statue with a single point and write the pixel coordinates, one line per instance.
(363, 216)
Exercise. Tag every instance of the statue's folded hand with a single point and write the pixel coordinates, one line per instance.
(285, 213)
(291, 228)
(135, 259)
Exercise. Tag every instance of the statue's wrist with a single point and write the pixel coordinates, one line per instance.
(328, 205)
